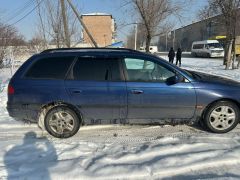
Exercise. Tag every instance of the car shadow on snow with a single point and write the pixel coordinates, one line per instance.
(31, 159)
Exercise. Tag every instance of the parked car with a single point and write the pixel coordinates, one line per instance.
(152, 49)
(208, 48)
(63, 89)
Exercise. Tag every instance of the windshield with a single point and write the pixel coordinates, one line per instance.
(214, 45)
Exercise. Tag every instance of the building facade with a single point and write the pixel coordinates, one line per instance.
(102, 28)
(211, 28)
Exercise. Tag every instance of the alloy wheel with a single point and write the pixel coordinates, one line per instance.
(61, 122)
(222, 117)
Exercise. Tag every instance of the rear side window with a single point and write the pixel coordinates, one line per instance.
(198, 46)
(50, 68)
(95, 69)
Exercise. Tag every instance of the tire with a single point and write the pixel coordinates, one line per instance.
(194, 54)
(221, 117)
(62, 122)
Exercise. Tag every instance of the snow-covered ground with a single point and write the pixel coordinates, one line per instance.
(120, 152)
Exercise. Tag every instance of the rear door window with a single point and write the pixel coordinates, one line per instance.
(94, 69)
(50, 68)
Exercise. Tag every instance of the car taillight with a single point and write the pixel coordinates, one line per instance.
(10, 89)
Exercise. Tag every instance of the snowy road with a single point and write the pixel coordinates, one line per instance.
(120, 152)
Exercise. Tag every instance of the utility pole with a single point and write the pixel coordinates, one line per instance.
(82, 23)
(166, 41)
(174, 39)
(105, 41)
(65, 24)
(136, 31)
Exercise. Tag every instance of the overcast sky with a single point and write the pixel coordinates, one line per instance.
(11, 11)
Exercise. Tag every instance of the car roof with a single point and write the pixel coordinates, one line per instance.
(58, 50)
(206, 42)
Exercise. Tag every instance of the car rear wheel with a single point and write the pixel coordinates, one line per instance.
(62, 122)
(222, 117)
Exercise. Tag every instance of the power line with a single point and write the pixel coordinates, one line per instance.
(15, 10)
(20, 11)
(15, 13)
(38, 4)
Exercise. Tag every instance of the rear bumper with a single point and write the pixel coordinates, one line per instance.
(21, 113)
(16, 112)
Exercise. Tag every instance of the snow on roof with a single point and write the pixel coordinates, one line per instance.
(96, 14)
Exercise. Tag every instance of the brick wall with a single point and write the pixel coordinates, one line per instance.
(100, 26)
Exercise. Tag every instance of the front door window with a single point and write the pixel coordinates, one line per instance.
(146, 71)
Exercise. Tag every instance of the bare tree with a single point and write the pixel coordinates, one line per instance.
(153, 15)
(51, 24)
(206, 12)
(228, 9)
(41, 27)
(54, 21)
(9, 39)
(36, 44)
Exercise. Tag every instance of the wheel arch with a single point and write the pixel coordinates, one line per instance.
(46, 107)
(219, 100)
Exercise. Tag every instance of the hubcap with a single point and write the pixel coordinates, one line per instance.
(61, 122)
(222, 117)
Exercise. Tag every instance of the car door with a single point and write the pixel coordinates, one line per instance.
(92, 90)
(151, 98)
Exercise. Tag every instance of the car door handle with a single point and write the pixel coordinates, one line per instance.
(136, 91)
(76, 91)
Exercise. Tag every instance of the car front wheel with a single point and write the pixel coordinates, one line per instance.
(62, 122)
(222, 117)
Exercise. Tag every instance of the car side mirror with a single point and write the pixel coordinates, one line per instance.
(174, 80)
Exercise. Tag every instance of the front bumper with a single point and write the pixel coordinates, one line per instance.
(217, 54)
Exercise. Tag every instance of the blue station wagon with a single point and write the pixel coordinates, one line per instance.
(63, 89)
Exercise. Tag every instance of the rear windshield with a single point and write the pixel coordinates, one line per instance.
(50, 68)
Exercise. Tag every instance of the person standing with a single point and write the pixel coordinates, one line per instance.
(179, 57)
(171, 55)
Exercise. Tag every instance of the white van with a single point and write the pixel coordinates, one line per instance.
(152, 49)
(208, 48)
